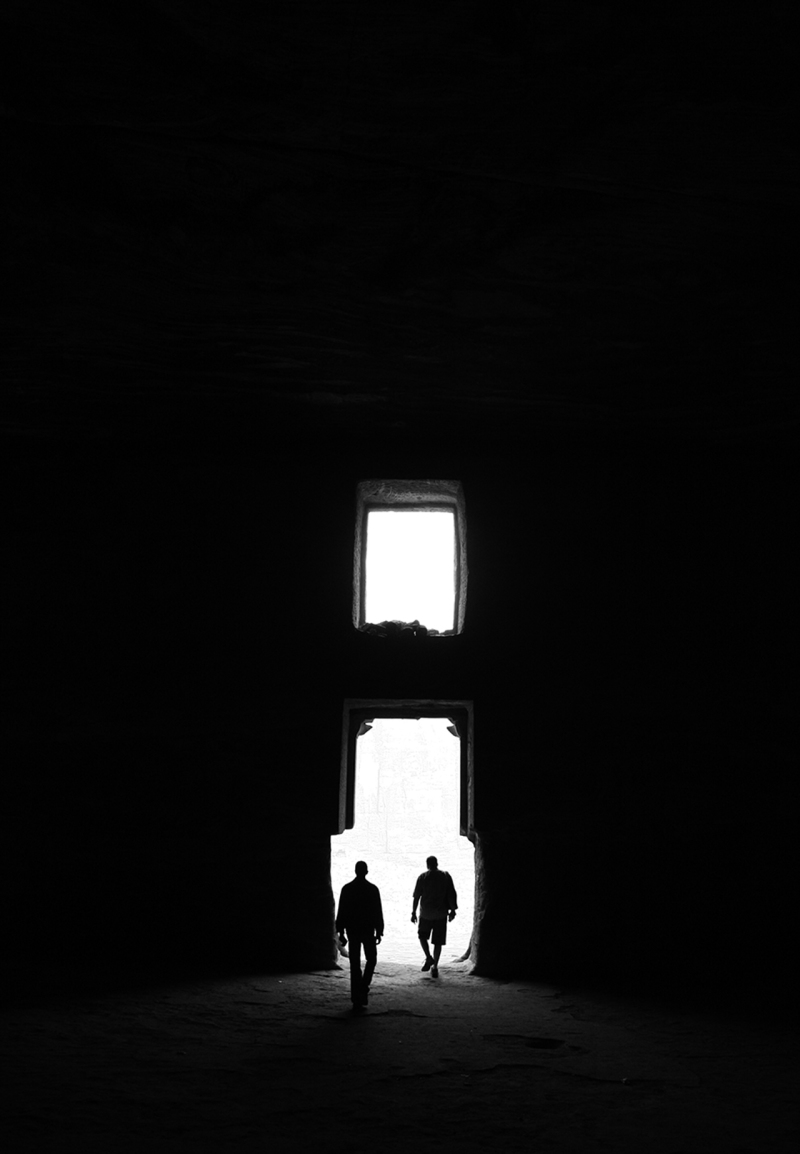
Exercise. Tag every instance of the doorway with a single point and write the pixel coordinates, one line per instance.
(407, 804)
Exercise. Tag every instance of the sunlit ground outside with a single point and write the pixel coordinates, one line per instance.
(406, 808)
(410, 567)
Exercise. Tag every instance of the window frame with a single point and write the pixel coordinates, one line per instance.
(425, 496)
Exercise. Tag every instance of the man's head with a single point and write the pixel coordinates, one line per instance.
(431, 863)
(361, 869)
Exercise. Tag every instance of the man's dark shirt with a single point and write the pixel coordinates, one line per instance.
(437, 893)
(360, 909)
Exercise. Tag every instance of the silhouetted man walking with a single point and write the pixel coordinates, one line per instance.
(437, 895)
(360, 922)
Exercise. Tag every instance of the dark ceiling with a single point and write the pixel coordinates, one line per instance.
(401, 214)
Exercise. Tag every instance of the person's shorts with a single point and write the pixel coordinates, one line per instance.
(437, 928)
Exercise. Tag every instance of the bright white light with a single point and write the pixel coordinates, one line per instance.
(407, 799)
(410, 567)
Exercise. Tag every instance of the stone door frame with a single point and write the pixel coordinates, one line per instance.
(359, 712)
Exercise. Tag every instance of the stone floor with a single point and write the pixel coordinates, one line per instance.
(280, 1063)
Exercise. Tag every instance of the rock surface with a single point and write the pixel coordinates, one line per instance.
(279, 1062)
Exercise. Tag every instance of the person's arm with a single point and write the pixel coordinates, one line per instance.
(417, 893)
(340, 918)
(452, 901)
(378, 917)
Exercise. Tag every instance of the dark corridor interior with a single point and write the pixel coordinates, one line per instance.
(257, 256)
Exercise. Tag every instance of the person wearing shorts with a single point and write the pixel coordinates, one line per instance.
(435, 895)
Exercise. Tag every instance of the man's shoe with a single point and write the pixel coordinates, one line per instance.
(428, 964)
(435, 971)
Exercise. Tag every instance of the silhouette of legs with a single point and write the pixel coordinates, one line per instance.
(360, 983)
(428, 959)
(434, 930)
(370, 959)
(355, 970)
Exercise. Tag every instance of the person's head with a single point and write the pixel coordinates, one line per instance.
(431, 863)
(361, 869)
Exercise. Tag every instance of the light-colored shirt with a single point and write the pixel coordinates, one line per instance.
(436, 895)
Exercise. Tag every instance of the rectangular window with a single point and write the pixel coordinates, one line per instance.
(410, 555)
(410, 567)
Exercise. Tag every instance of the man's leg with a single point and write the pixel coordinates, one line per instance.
(438, 937)
(371, 960)
(355, 969)
(424, 931)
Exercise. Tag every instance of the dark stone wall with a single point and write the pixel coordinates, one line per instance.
(181, 646)
(549, 250)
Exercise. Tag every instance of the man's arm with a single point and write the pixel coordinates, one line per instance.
(452, 899)
(417, 895)
(378, 916)
(342, 914)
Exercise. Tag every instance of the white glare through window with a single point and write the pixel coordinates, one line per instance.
(410, 567)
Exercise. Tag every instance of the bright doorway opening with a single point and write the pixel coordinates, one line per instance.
(406, 807)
